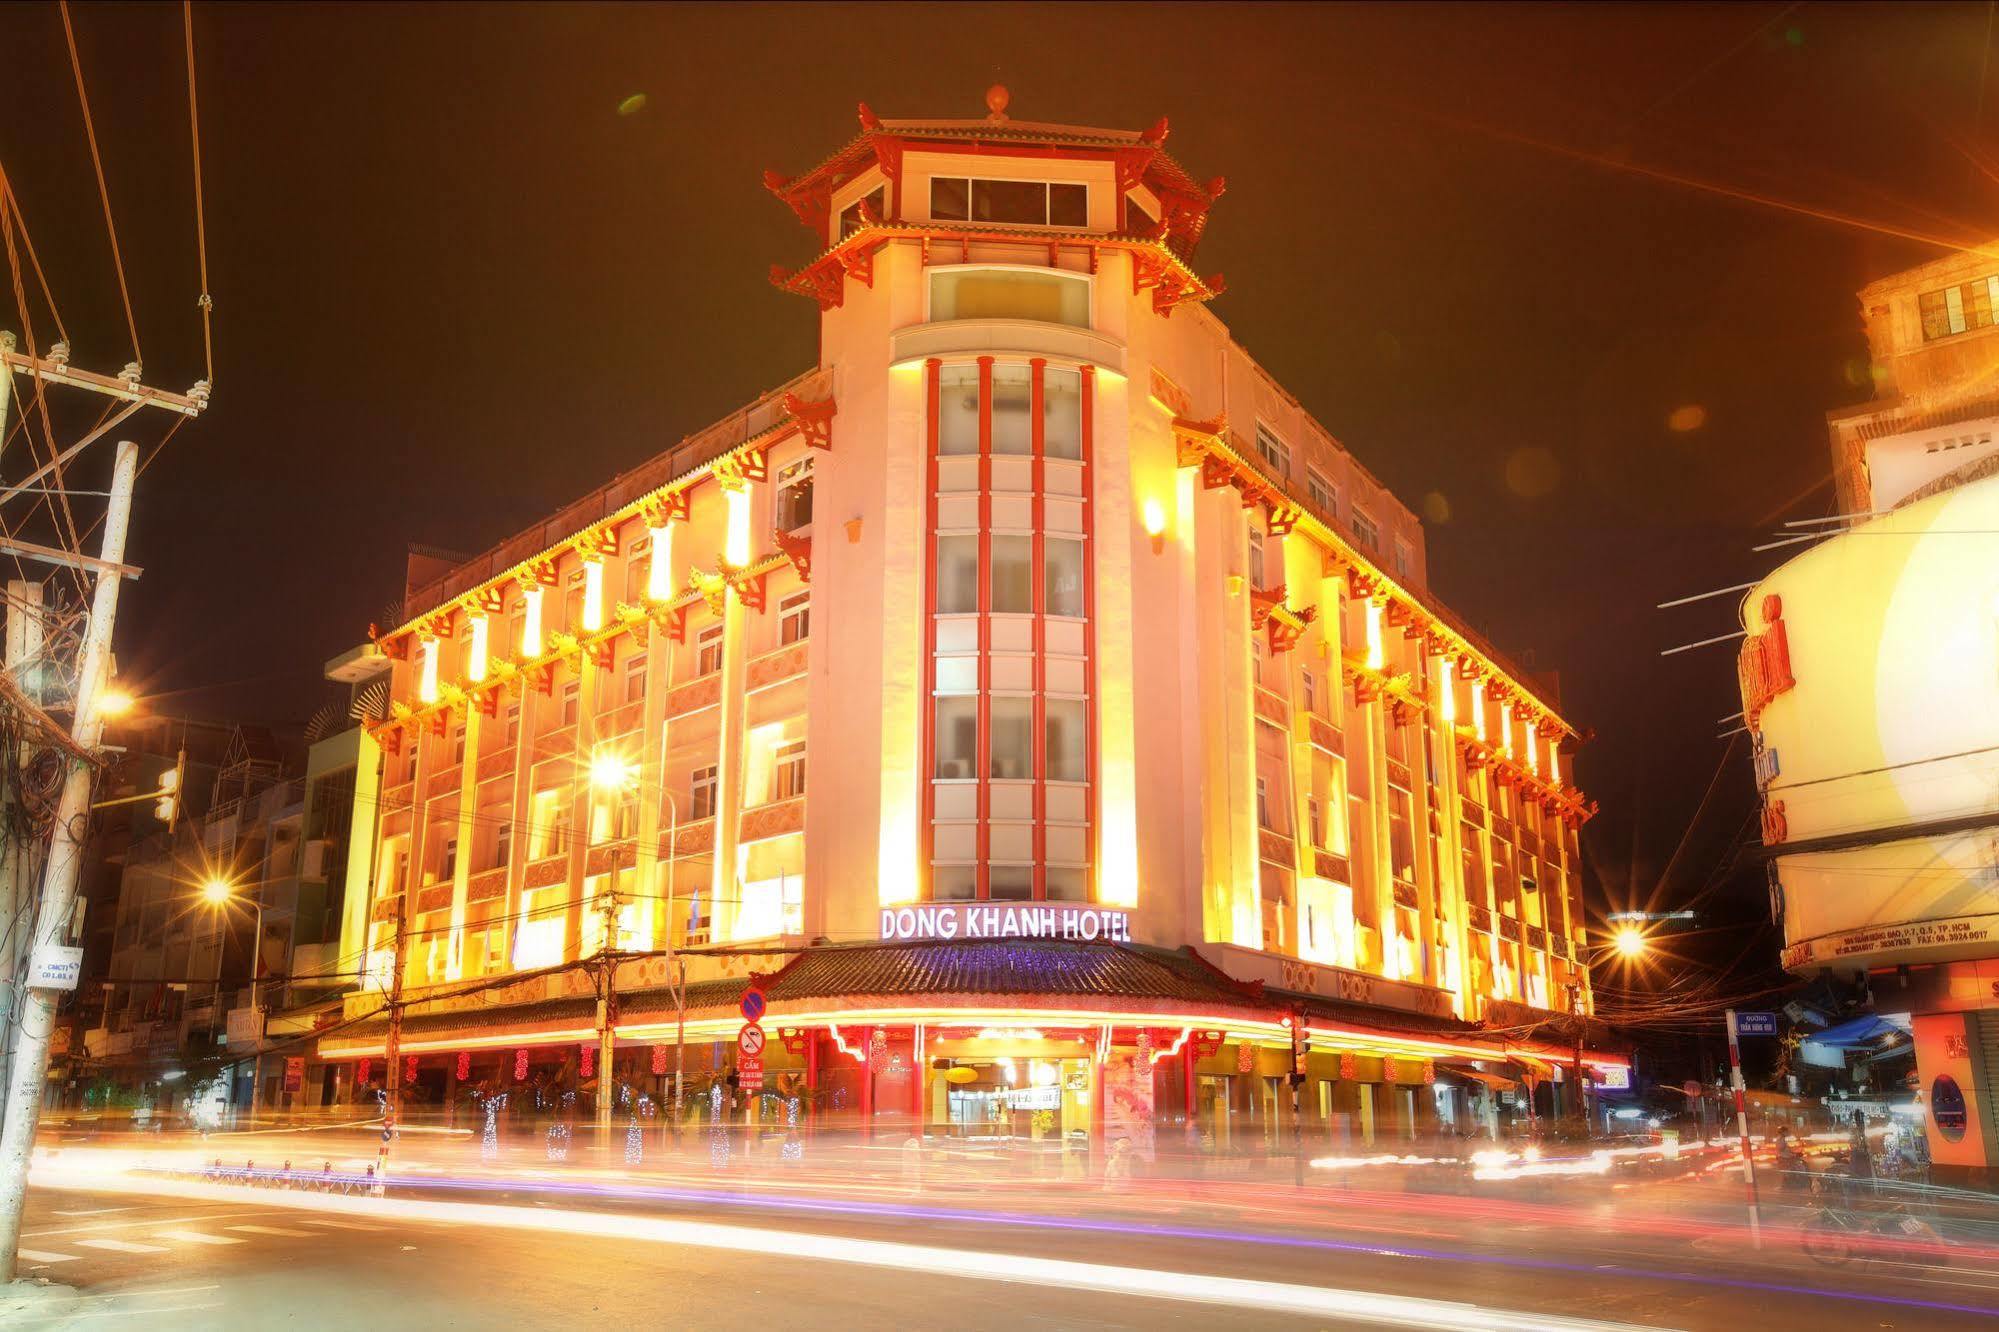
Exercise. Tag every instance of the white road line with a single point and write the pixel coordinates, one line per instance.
(271, 1230)
(194, 1237)
(37, 1256)
(118, 1246)
(156, 1309)
(91, 1211)
(339, 1225)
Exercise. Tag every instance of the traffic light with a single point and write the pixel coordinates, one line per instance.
(166, 802)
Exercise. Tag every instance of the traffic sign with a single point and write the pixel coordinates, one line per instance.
(750, 1040)
(753, 1005)
(1756, 1024)
(750, 1072)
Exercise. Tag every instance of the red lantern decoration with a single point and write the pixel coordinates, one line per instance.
(363, 1071)
(1146, 1052)
(409, 1071)
(1389, 1073)
(877, 1044)
(1245, 1057)
(1349, 1067)
(520, 1065)
(464, 1065)
(589, 1061)
(1429, 1072)
(659, 1059)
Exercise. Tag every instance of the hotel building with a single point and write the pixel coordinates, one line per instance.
(1033, 698)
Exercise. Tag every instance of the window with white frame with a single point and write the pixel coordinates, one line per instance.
(458, 744)
(1043, 295)
(1262, 803)
(1037, 203)
(1322, 494)
(635, 677)
(708, 649)
(1315, 822)
(572, 601)
(1364, 530)
(701, 793)
(638, 571)
(448, 866)
(572, 700)
(1256, 559)
(794, 617)
(788, 770)
(1311, 691)
(1274, 450)
(513, 724)
(1405, 558)
(794, 495)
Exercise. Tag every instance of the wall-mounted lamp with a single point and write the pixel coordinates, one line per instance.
(1153, 513)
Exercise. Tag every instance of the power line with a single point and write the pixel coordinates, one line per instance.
(104, 194)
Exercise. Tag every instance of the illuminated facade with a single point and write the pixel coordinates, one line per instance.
(1034, 679)
(1870, 681)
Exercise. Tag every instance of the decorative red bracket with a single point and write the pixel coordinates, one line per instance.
(1262, 601)
(751, 590)
(675, 624)
(813, 419)
(798, 550)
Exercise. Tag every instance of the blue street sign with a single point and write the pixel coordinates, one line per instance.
(1756, 1024)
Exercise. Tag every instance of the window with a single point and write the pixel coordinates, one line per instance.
(1256, 659)
(957, 408)
(954, 883)
(794, 495)
(1256, 559)
(790, 770)
(1012, 575)
(458, 744)
(1030, 202)
(1062, 576)
(1958, 309)
(957, 737)
(1061, 413)
(572, 601)
(448, 867)
(794, 617)
(850, 216)
(957, 575)
(513, 724)
(1315, 823)
(549, 829)
(708, 649)
(1012, 734)
(1274, 450)
(1010, 883)
(1065, 884)
(572, 700)
(1044, 295)
(1405, 558)
(635, 677)
(1311, 689)
(1262, 803)
(503, 844)
(638, 571)
(701, 802)
(1062, 721)
(1364, 530)
(1322, 494)
(1013, 409)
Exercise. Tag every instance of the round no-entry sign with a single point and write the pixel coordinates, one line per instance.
(751, 1039)
(753, 1005)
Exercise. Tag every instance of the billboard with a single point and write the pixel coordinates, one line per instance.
(1870, 680)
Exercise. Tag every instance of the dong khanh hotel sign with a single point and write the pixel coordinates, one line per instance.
(1073, 922)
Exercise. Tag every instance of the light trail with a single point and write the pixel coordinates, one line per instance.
(1332, 1303)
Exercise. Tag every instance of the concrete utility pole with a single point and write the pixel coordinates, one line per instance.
(65, 862)
(17, 859)
(607, 1015)
(1576, 1064)
(1742, 1129)
(392, 1052)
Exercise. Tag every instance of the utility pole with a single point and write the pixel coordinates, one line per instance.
(392, 1053)
(607, 1014)
(1299, 1047)
(65, 862)
(1576, 1063)
(1742, 1129)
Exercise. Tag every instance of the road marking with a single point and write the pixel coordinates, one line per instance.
(37, 1256)
(194, 1237)
(118, 1246)
(156, 1309)
(340, 1225)
(271, 1230)
(91, 1211)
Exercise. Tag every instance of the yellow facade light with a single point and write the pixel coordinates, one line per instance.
(659, 574)
(1478, 709)
(475, 669)
(1630, 941)
(427, 685)
(1153, 515)
(1377, 651)
(736, 549)
(531, 623)
(216, 890)
(1533, 750)
(1447, 692)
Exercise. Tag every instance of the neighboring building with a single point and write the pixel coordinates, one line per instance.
(1032, 680)
(1870, 680)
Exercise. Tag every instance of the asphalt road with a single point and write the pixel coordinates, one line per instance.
(253, 1262)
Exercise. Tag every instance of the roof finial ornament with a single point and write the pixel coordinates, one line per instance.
(996, 99)
(869, 120)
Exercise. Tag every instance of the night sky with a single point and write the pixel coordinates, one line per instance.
(455, 288)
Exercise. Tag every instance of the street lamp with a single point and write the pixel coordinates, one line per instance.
(218, 892)
(1630, 942)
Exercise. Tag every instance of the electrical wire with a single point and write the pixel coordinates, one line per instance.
(97, 162)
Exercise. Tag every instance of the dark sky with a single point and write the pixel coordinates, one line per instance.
(455, 288)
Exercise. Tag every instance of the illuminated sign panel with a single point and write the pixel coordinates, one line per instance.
(1072, 922)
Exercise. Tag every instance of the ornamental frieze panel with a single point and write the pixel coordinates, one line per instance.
(547, 872)
(692, 697)
(1274, 847)
(691, 839)
(775, 666)
(773, 820)
(609, 859)
(487, 885)
(437, 897)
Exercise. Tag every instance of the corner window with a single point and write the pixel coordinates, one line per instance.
(850, 216)
(957, 575)
(1013, 575)
(1013, 409)
(957, 407)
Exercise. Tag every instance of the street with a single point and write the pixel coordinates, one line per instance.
(682, 1246)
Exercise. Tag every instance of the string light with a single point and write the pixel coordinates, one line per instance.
(659, 1059)
(409, 1071)
(363, 1071)
(520, 1065)
(489, 1138)
(1245, 1057)
(589, 1061)
(464, 1065)
(1349, 1067)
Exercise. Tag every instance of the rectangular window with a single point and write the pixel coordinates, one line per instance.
(850, 216)
(1364, 530)
(1405, 558)
(790, 771)
(1043, 295)
(1311, 688)
(513, 724)
(950, 199)
(1256, 559)
(1068, 205)
(1315, 824)
(1012, 575)
(1062, 721)
(953, 883)
(957, 737)
(572, 701)
(1062, 576)
(635, 677)
(572, 601)
(458, 744)
(1320, 491)
(701, 794)
(503, 843)
(1959, 309)
(1262, 803)
(1010, 883)
(1021, 202)
(1061, 413)
(794, 495)
(957, 409)
(1013, 409)
(708, 650)
(1274, 450)
(1012, 722)
(794, 617)
(957, 575)
(448, 868)
(638, 567)
(1066, 884)
(550, 827)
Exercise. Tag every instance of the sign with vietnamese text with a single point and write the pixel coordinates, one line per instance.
(1756, 1024)
(1070, 922)
(294, 1073)
(55, 967)
(1611, 1077)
